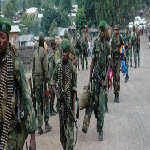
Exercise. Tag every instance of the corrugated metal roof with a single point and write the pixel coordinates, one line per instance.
(15, 29)
(25, 38)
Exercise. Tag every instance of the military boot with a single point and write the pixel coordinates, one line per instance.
(47, 126)
(117, 99)
(126, 79)
(100, 137)
(40, 131)
(135, 66)
(106, 108)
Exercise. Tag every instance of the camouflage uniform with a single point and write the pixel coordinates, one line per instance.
(101, 53)
(134, 41)
(78, 50)
(41, 75)
(60, 76)
(127, 42)
(84, 53)
(52, 64)
(116, 44)
(138, 47)
(17, 133)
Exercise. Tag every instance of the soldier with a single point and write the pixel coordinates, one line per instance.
(138, 46)
(127, 43)
(130, 50)
(41, 76)
(134, 41)
(101, 53)
(65, 76)
(52, 64)
(117, 41)
(84, 46)
(78, 49)
(17, 116)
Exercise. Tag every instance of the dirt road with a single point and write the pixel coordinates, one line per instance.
(127, 124)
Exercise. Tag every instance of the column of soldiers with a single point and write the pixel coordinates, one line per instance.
(17, 116)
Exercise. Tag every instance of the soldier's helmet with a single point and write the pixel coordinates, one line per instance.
(41, 36)
(66, 45)
(5, 25)
(102, 25)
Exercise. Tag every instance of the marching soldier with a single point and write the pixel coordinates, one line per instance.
(52, 64)
(17, 116)
(65, 76)
(41, 76)
(101, 53)
(117, 41)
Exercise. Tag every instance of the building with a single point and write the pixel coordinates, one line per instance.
(14, 35)
(32, 11)
(26, 40)
(93, 32)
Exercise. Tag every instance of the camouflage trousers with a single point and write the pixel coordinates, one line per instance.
(16, 138)
(66, 132)
(52, 98)
(130, 53)
(40, 110)
(127, 58)
(137, 55)
(97, 103)
(84, 57)
(78, 58)
(116, 74)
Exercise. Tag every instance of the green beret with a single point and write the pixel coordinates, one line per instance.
(5, 25)
(102, 25)
(41, 36)
(65, 44)
(53, 42)
(127, 26)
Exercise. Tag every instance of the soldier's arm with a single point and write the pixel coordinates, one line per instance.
(29, 113)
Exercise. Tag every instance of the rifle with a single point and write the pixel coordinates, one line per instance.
(33, 94)
(64, 100)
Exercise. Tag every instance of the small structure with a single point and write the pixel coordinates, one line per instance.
(14, 35)
(26, 40)
(32, 11)
(61, 34)
(93, 32)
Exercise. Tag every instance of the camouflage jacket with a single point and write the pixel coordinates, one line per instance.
(134, 38)
(100, 55)
(127, 39)
(61, 78)
(116, 44)
(40, 70)
(26, 102)
(84, 47)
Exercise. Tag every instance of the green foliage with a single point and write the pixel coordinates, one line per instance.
(53, 30)
(50, 14)
(67, 5)
(80, 19)
(9, 10)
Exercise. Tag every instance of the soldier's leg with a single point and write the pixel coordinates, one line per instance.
(135, 56)
(114, 75)
(101, 111)
(138, 54)
(106, 102)
(39, 106)
(83, 57)
(52, 111)
(78, 63)
(131, 57)
(69, 132)
(117, 80)
(63, 139)
(127, 64)
(86, 62)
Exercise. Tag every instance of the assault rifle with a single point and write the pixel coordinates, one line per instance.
(64, 100)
